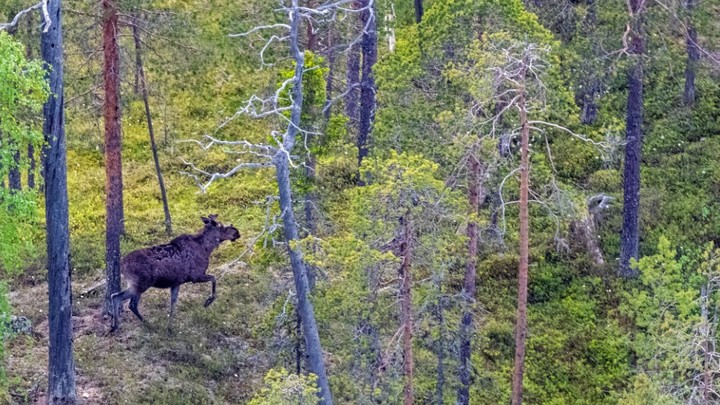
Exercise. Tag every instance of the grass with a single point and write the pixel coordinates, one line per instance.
(214, 355)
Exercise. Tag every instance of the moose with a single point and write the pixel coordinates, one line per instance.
(184, 260)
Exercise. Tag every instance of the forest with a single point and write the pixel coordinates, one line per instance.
(359, 202)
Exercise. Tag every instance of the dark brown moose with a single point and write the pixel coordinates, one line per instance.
(184, 260)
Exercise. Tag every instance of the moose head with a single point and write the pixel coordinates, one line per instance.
(216, 232)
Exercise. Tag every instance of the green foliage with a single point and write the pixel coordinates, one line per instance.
(23, 91)
(282, 387)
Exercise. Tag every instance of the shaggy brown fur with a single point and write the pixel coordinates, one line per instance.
(184, 260)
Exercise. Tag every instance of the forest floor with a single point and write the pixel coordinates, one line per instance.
(210, 356)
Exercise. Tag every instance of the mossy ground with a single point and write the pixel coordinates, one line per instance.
(212, 355)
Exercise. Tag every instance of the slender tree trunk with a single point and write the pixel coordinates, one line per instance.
(143, 87)
(406, 250)
(61, 365)
(707, 386)
(282, 168)
(330, 81)
(475, 192)
(352, 96)
(31, 168)
(521, 326)
(14, 181)
(113, 149)
(591, 83)
(693, 56)
(418, 11)
(440, 387)
(630, 238)
(31, 147)
(367, 83)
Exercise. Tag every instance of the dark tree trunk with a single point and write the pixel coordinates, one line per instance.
(14, 181)
(352, 95)
(418, 11)
(143, 87)
(31, 168)
(630, 238)
(475, 195)
(521, 326)
(591, 84)
(300, 274)
(61, 365)
(113, 149)
(406, 250)
(367, 83)
(693, 56)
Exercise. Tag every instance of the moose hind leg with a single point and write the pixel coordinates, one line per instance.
(117, 299)
(134, 301)
(204, 279)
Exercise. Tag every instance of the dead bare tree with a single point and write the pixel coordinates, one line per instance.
(280, 157)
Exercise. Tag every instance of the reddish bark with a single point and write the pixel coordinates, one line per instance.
(113, 149)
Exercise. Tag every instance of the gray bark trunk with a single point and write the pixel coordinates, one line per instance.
(61, 365)
(630, 238)
(693, 55)
(143, 88)
(367, 82)
(305, 309)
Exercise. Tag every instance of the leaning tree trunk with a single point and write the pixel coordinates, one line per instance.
(693, 55)
(143, 87)
(466, 325)
(406, 250)
(61, 365)
(282, 168)
(521, 326)
(630, 238)
(367, 82)
(113, 148)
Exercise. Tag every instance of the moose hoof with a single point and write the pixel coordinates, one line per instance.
(209, 301)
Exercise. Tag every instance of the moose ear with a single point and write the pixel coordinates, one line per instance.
(205, 220)
(213, 216)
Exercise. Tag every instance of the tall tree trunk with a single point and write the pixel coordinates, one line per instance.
(61, 365)
(406, 250)
(630, 238)
(707, 346)
(31, 147)
(330, 81)
(475, 192)
(113, 149)
(418, 11)
(282, 168)
(352, 95)
(440, 387)
(693, 55)
(521, 326)
(591, 82)
(143, 87)
(367, 83)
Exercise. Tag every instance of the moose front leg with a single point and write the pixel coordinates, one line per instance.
(173, 300)
(204, 279)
